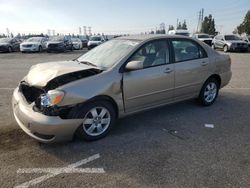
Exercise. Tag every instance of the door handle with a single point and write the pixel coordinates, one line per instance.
(204, 63)
(168, 70)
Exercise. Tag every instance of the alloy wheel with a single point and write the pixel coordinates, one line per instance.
(210, 92)
(96, 121)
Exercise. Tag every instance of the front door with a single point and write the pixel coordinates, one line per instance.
(154, 83)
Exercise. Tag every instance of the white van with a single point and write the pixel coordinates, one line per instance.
(179, 32)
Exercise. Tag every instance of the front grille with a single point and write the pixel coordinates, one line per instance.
(30, 93)
(241, 45)
(53, 45)
(27, 45)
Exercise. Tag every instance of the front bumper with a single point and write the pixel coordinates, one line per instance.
(238, 48)
(56, 48)
(29, 49)
(92, 46)
(4, 49)
(46, 129)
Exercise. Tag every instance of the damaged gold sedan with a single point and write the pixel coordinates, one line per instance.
(85, 96)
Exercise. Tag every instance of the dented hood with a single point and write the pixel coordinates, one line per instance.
(40, 74)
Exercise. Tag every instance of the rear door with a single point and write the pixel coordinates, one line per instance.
(191, 66)
(154, 83)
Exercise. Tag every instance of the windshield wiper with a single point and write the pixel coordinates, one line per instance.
(86, 63)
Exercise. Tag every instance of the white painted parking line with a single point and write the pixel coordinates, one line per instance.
(52, 172)
(59, 170)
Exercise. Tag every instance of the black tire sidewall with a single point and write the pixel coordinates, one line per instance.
(81, 111)
(201, 95)
(225, 47)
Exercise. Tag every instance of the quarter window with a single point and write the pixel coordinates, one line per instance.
(152, 54)
(185, 50)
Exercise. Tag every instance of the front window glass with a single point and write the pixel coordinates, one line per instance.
(109, 53)
(95, 38)
(232, 37)
(152, 54)
(34, 39)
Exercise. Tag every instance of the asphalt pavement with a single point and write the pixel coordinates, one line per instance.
(165, 147)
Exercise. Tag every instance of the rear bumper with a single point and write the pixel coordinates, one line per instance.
(46, 129)
(225, 78)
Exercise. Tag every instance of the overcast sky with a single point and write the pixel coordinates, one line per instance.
(115, 16)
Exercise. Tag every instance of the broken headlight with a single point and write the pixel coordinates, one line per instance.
(51, 98)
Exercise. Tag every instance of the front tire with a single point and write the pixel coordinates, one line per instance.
(10, 49)
(209, 92)
(40, 49)
(98, 119)
(225, 48)
(213, 46)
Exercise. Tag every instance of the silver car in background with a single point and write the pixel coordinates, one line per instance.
(229, 43)
(34, 44)
(203, 37)
(85, 96)
(77, 43)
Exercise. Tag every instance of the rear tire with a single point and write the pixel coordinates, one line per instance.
(40, 49)
(209, 92)
(98, 119)
(10, 49)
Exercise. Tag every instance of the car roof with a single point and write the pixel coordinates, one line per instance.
(150, 37)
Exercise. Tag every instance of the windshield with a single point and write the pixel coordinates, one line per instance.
(57, 38)
(34, 39)
(5, 40)
(109, 53)
(95, 38)
(203, 36)
(232, 37)
(75, 39)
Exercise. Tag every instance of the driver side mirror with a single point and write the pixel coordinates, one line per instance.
(134, 65)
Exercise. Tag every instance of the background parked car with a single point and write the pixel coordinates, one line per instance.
(9, 45)
(179, 32)
(77, 43)
(229, 43)
(203, 37)
(247, 39)
(59, 43)
(84, 40)
(95, 41)
(34, 44)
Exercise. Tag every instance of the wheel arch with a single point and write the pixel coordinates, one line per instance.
(215, 76)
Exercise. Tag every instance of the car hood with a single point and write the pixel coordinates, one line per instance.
(40, 74)
(30, 43)
(4, 44)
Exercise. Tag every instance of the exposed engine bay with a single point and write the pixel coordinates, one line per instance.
(34, 93)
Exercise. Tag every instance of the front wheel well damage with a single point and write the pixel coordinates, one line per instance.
(96, 98)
